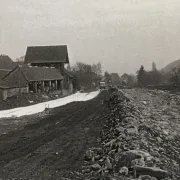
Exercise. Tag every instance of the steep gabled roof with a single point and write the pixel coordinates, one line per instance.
(115, 78)
(125, 75)
(114, 75)
(15, 78)
(3, 72)
(47, 54)
(6, 62)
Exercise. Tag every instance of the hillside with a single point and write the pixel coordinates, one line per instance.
(168, 68)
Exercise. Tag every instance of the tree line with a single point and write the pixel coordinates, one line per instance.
(86, 75)
(152, 77)
(156, 77)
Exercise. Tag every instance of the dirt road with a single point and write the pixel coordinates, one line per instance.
(53, 146)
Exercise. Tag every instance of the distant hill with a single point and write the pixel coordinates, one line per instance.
(168, 68)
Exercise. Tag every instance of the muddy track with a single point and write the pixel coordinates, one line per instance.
(54, 146)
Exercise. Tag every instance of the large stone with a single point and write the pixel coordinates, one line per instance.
(159, 139)
(98, 150)
(89, 155)
(120, 129)
(139, 162)
(145, 177)
(151, 171)
(124, 171)
(108, 164)
(95, 167)
(139, 153)
(110, 143)
(126, 158)
(166, 132)
(132, 131)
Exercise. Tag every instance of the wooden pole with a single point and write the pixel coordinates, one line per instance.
(42, 86)
(56, 85)
(61, 84)
(49, 85)
(35, 87)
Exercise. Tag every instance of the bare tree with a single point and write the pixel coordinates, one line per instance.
(20, 60)
(68, 67)
(97, 69)
(154, 67)
(176, 76)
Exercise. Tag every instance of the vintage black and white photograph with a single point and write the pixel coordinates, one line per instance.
(89, 90)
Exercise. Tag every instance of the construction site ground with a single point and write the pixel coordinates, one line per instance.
(51, 145)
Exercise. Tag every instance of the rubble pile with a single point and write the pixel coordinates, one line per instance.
(131, 147)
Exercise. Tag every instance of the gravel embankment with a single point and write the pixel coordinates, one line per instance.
(140, 139)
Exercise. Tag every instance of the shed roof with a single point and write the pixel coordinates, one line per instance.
(6, 62)
(41, 73)
(47, 54)
(20, 75)
(68, 73)
(8, 85)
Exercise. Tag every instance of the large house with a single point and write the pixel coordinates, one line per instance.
(51, 56)
(43, 71)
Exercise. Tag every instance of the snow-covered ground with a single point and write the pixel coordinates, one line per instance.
(33, 109)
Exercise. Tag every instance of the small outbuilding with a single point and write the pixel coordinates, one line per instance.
(27, 78)
(9, 89)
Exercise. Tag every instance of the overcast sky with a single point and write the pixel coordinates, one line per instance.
(122, 34)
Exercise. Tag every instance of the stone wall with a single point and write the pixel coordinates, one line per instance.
(1, 94)
(66, 92)
(71, 88)
(5, 93)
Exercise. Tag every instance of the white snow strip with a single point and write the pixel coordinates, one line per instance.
(33, 109)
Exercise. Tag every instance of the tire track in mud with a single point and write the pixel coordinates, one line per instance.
(55, 144)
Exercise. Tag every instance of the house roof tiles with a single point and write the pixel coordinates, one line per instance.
(47, 54)
(6, 62)
(41, 73)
